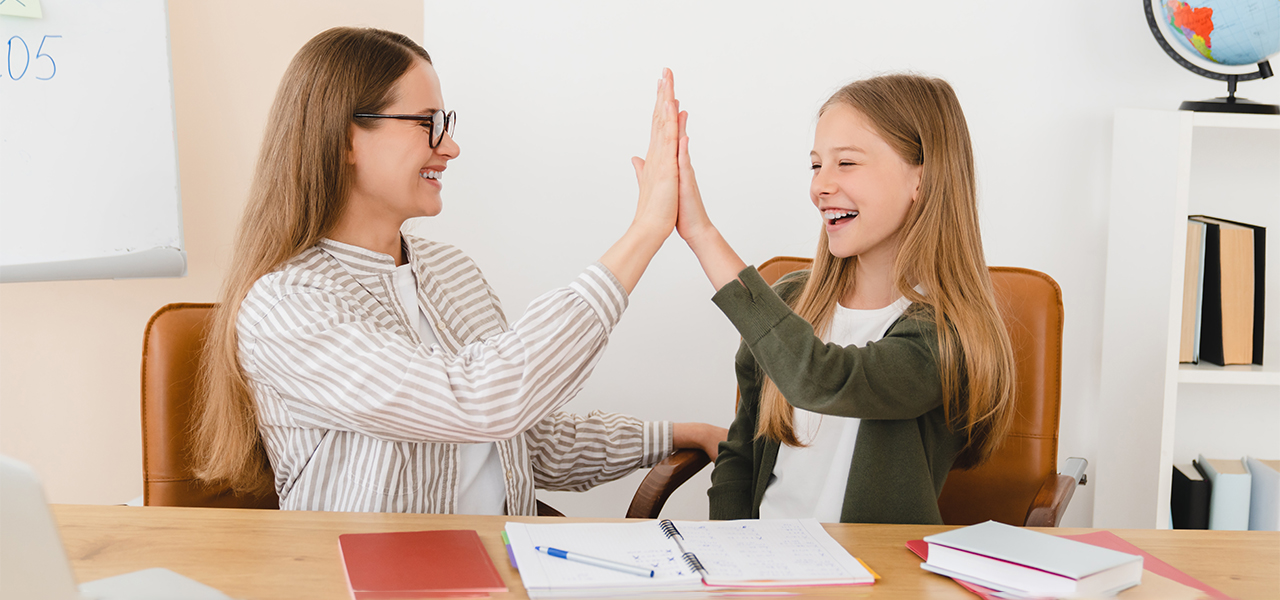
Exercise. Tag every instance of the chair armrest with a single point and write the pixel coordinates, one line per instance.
(545, 510)
(1054, 495)
(663, 479)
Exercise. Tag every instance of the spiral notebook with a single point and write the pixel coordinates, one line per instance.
(685, 555)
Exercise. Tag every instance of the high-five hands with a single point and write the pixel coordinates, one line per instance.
(658, 176)
(657, 173)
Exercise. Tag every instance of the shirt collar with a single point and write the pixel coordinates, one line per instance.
(360, 260)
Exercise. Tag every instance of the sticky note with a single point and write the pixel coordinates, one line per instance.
(21, 8)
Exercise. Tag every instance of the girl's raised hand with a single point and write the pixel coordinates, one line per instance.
(657, 172)
(718, 259)
(692, 220)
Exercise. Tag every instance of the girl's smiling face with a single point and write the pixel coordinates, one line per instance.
(397, 172)
(861, 186)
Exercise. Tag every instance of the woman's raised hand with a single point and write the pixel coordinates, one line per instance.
(657, 171)
(657, 174)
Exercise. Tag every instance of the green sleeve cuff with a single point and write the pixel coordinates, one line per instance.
(751, 305)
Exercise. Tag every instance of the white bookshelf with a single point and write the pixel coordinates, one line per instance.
(1153, 412)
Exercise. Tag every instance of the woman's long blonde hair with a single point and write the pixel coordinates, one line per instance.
(941, 250)
(299, 190)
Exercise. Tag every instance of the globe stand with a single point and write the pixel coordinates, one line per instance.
(1228, 104)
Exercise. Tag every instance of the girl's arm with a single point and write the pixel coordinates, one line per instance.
(895, 377)
(719, 261)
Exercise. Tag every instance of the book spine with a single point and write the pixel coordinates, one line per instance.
(1259, 289)
(1189, 501)
(1211, 304)
(1229, 500)
(1264, 498)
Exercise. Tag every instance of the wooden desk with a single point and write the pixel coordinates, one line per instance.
(254, 554)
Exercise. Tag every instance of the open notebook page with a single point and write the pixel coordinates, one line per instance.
(770, 552)
(640, 543)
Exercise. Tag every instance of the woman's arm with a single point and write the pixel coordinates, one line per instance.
(577, 452)
(656, 207)
(318, 361)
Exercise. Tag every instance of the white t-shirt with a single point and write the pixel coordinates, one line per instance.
(481, 487)
(810, 481)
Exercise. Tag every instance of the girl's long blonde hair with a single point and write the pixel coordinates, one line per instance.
(299, 190)
(941, 250)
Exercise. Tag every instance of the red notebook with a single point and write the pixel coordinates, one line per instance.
(417, 564)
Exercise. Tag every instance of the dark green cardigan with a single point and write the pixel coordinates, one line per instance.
(904, 447)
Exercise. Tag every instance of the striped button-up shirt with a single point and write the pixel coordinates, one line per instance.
(357, 415)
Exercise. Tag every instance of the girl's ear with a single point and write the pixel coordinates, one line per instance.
(917, 172)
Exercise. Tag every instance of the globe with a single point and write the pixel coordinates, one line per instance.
(1224, 32)
(1227, 32)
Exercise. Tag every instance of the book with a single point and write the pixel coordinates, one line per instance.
(1189, 498)
(1229, 500)
(1264, 495)
(1155, 571)
(684, 555)
(417, 564)
(1234, 292)
(1030, 564)
(1192, 286)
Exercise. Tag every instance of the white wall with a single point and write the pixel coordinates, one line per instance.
(554, 98)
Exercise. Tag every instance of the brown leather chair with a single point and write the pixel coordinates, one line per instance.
(1019, 485)
(170, 361)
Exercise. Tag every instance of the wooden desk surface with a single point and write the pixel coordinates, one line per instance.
(253, 554)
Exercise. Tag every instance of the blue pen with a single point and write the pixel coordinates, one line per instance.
(598, 562)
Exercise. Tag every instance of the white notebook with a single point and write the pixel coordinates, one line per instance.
(685, 555)
(1027, 563)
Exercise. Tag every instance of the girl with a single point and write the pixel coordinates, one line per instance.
(865, 380)
(376, 371)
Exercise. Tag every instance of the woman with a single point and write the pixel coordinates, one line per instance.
(376, 369)
(865, 380)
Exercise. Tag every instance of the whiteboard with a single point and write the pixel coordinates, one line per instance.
(88, 157)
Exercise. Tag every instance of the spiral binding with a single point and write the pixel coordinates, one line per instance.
(691, 559)
(693, 562)
(669, 529)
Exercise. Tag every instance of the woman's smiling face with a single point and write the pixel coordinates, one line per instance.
(862, 187)
(397, 172)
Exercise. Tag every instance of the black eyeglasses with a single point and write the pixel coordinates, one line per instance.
(438, 123)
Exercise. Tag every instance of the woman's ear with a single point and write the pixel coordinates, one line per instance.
(350, 153)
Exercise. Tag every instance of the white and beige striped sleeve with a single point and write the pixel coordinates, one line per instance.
(575, 453)
(334, 369)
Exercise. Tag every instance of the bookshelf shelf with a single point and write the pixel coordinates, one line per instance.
(1154, 413)
(1230, 375)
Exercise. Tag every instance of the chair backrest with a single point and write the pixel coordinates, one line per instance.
(171, 351)
(1003, 488)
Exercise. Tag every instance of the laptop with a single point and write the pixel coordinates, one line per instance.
(34, 565)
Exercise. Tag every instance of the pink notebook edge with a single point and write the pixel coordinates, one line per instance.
(426, 593)
(1103, 539)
